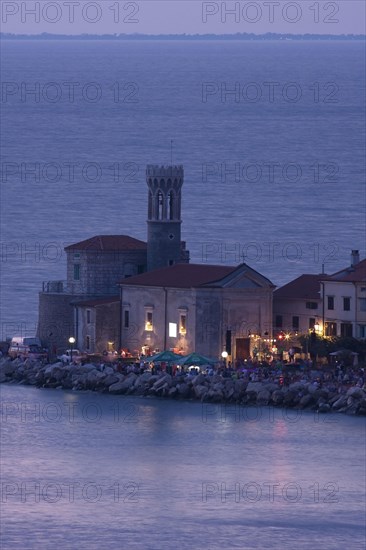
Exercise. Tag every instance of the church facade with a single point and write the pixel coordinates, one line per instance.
(191, 307)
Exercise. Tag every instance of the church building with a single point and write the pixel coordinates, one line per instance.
(121, 292)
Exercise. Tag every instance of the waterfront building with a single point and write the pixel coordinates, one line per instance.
(191, 307)
(344, 300)
(209, 309)
(334, 304)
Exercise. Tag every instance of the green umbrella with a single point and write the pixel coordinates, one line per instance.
(196, 359)
(165, 357)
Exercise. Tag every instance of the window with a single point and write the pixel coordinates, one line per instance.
(171, 262)
(76, 272)
(140, 269)
(330, 302)
(362, 331)
(126, 319)
(311, 322)
(88, 316)
(172, 330)
(362, 304)
(182, 323)
(160, 206)
(87, 343)
(330, 329)
(279, 321)
(149, 320)
(295, 322)
(346, 330)
(346, 303)
(311, 305)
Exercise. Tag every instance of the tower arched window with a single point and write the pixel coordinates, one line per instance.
(170, 205)
(160, 205)
(150, 206)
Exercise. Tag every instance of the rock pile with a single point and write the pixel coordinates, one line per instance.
(214, 389)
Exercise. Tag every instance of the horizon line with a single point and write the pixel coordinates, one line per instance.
(183, 36)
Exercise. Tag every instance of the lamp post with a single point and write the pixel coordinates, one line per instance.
(224, 356)
(71, 342)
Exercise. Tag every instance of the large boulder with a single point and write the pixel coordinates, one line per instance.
(8, 367)
(356, 392)
(200, 379)
(254, 387)
(263, 397)
(110, 379)
(270, 386)
(122, 386)
(306, 401)
(324, 408)
(340, 403)
(297, 387)
(164, 381)
(183, 389)
(291, 398)
(200, 390)
(277, 397)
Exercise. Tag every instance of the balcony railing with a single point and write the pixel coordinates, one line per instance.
(55, 287)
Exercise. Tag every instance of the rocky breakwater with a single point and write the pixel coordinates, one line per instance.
(208, 389)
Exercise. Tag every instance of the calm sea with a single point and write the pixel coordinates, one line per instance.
(271, 136)
(88, 471)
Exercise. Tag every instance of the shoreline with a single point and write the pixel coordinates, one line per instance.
(302, 394)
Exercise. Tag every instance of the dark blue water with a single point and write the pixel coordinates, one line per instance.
(274, 172)
(82, 470)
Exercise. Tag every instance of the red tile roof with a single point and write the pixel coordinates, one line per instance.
(305, 287)
(352, 274)
(109, 243)
(97, 301)
(181, 276)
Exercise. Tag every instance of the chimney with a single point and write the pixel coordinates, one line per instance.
(355, 257)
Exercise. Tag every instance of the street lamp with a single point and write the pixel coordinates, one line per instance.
(224, 355)
(71, 342)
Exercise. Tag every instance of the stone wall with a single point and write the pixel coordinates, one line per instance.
(100, 271)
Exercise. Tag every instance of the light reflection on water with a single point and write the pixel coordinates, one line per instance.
(169, 477)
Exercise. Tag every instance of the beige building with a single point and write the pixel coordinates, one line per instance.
(297, 306)
(336, 303)
(188, 307)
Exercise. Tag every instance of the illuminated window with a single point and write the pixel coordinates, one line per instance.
(149, 320)
(183, 323)
(330, 329)
(173, 330)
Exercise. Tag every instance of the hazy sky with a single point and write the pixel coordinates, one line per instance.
(183, 16)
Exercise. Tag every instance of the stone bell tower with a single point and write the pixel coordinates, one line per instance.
(164, 245)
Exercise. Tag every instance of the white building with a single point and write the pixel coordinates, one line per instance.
(344, 303)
